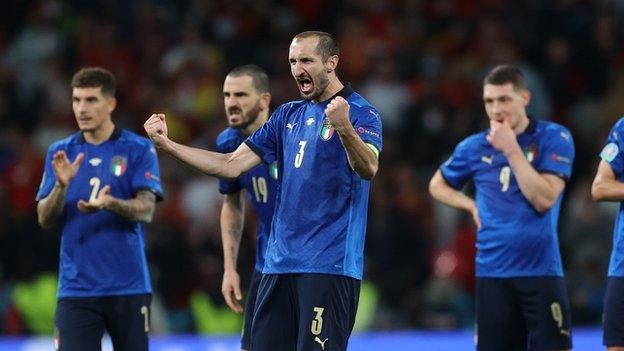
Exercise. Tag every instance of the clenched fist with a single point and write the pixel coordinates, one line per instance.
(156, 129)
(337, 113)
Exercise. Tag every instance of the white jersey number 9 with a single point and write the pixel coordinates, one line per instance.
(505, 177)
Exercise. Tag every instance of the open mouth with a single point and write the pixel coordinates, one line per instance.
(234, 112)
(305, 85)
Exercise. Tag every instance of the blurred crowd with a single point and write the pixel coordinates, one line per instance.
(420, 62)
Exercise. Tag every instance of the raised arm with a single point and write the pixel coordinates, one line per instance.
(443, 192)
(50, 208)
(540, 189)
(232, 221)
(363, 158)
(224, 166)
(605, 186)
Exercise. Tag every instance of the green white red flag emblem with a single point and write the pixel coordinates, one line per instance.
(326, 130)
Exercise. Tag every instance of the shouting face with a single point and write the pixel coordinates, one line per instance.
(308, 68)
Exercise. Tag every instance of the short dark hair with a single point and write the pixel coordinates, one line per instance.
(259, 78)
(504, 74)
(95, 77)
(327, 45)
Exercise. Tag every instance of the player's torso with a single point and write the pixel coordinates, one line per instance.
(102, 253)
(104, 164)
(515, 239)
(313, 159)
(497, 187)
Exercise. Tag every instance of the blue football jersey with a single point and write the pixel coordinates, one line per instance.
(515, 240)
(612, 154)
(321, 207)
(261, 183)
(102, 253)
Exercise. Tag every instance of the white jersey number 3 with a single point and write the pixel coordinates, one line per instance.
(299, 156)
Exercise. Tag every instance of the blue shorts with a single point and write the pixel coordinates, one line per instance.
(248, 313)
(304, 312)
(613, 332)
(515, 313)
(80, 322)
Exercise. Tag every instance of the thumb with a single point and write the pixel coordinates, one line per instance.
(237, 292)
(82, 205)
(78, 161)
(104, 191)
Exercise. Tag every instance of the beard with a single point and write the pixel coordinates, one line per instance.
(320, 85)
(248, 117)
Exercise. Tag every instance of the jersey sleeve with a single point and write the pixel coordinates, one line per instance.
(612, 151)
(146, 173)
(49, 177)
(558, 153)
(457, 169)
(368, 126)
(225, 186)
(265, 140)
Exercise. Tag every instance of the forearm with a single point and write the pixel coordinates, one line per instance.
(607, 190)
(232, 219)
(138, 209)
(361, 158)
(212, 163)
(535, 188)
(441, 191)
(50, 208)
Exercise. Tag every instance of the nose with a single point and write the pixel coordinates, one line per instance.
(80, 106)
(496, 107)
(296, 69)
(230, 101)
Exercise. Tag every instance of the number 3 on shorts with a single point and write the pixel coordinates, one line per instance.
(317, 322)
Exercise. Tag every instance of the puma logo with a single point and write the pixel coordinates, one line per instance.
(487, 160)
(565, 332)
(317, 339)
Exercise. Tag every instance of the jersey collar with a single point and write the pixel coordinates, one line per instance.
(80, 139)
(345, 92)
(531, 127)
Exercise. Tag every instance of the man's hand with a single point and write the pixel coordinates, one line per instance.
(64, 170)
(502, 137)
(475, 216)
(156, 129)
(99, 203)
(337, 112)
(230, 288)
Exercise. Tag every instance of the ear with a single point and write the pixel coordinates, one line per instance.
(265, 100)
(526, 96)
(111, 102)
(332, 63)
